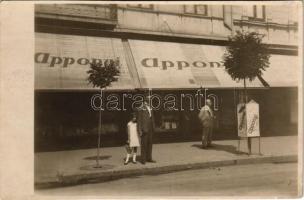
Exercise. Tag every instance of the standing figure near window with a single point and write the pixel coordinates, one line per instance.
(207, 117)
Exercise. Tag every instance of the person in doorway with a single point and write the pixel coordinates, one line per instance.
(145, 123)
(206, 116)
(133, 140)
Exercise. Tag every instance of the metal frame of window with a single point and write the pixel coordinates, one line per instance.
(139, 6)
(195, 10)
(263, 13)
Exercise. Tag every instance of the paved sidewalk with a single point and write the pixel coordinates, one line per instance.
(78, 166)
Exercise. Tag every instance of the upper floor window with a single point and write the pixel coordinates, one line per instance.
(196, 9)
(256, 12)
(143, 6)
(259, 12)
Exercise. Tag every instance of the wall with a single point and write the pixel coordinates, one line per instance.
(170, 23)
(278, 25)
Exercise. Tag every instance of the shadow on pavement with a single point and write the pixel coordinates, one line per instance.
(95, 158)
(138, 158)
(93, 167)
(219, 147)
(199, 146)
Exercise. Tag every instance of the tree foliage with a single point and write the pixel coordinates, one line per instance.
(103, 74)
(246, 56)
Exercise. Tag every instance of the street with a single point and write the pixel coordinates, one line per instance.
(258, 180)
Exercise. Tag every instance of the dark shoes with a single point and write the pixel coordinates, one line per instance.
(151, 161)
(126, 162)
(143, 160)
(206, 146)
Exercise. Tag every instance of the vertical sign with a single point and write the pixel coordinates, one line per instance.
(248, 119)
(241, 115)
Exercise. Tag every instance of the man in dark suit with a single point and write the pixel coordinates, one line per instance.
(145, 121)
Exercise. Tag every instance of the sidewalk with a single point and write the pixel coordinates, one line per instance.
(78, 166)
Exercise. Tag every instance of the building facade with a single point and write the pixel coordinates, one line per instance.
(173, 49)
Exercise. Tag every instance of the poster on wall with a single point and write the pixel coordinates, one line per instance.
(248, 119)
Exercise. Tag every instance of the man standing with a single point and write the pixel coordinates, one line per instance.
(206, 116)
(145, 120)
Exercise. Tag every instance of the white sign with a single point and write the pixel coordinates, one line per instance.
(248, 119)
(253, 119)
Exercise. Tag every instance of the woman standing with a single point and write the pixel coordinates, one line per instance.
(133, 140)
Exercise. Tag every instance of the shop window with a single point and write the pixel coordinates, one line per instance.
(196, 9)
(141, 6)
(166, 121)
(109, 128)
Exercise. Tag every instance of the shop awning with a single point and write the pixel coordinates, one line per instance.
(283, 71)
(62, 61)
(177, 65)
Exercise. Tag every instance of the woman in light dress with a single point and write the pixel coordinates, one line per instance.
(133, 140)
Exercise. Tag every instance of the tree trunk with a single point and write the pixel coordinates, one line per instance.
(245, 91)
(99, 130)
(246, 101)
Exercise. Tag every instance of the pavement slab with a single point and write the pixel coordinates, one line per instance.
(59, 168)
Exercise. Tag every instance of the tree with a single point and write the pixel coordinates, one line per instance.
(246, 57)
(101, 75)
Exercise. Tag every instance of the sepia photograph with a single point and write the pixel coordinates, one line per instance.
(167, 99)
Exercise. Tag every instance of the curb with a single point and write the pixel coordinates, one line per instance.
(77, 179)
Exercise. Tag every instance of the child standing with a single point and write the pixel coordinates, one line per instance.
(133, 140)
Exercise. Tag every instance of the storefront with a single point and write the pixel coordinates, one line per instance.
(186, 73)
(64, 117)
